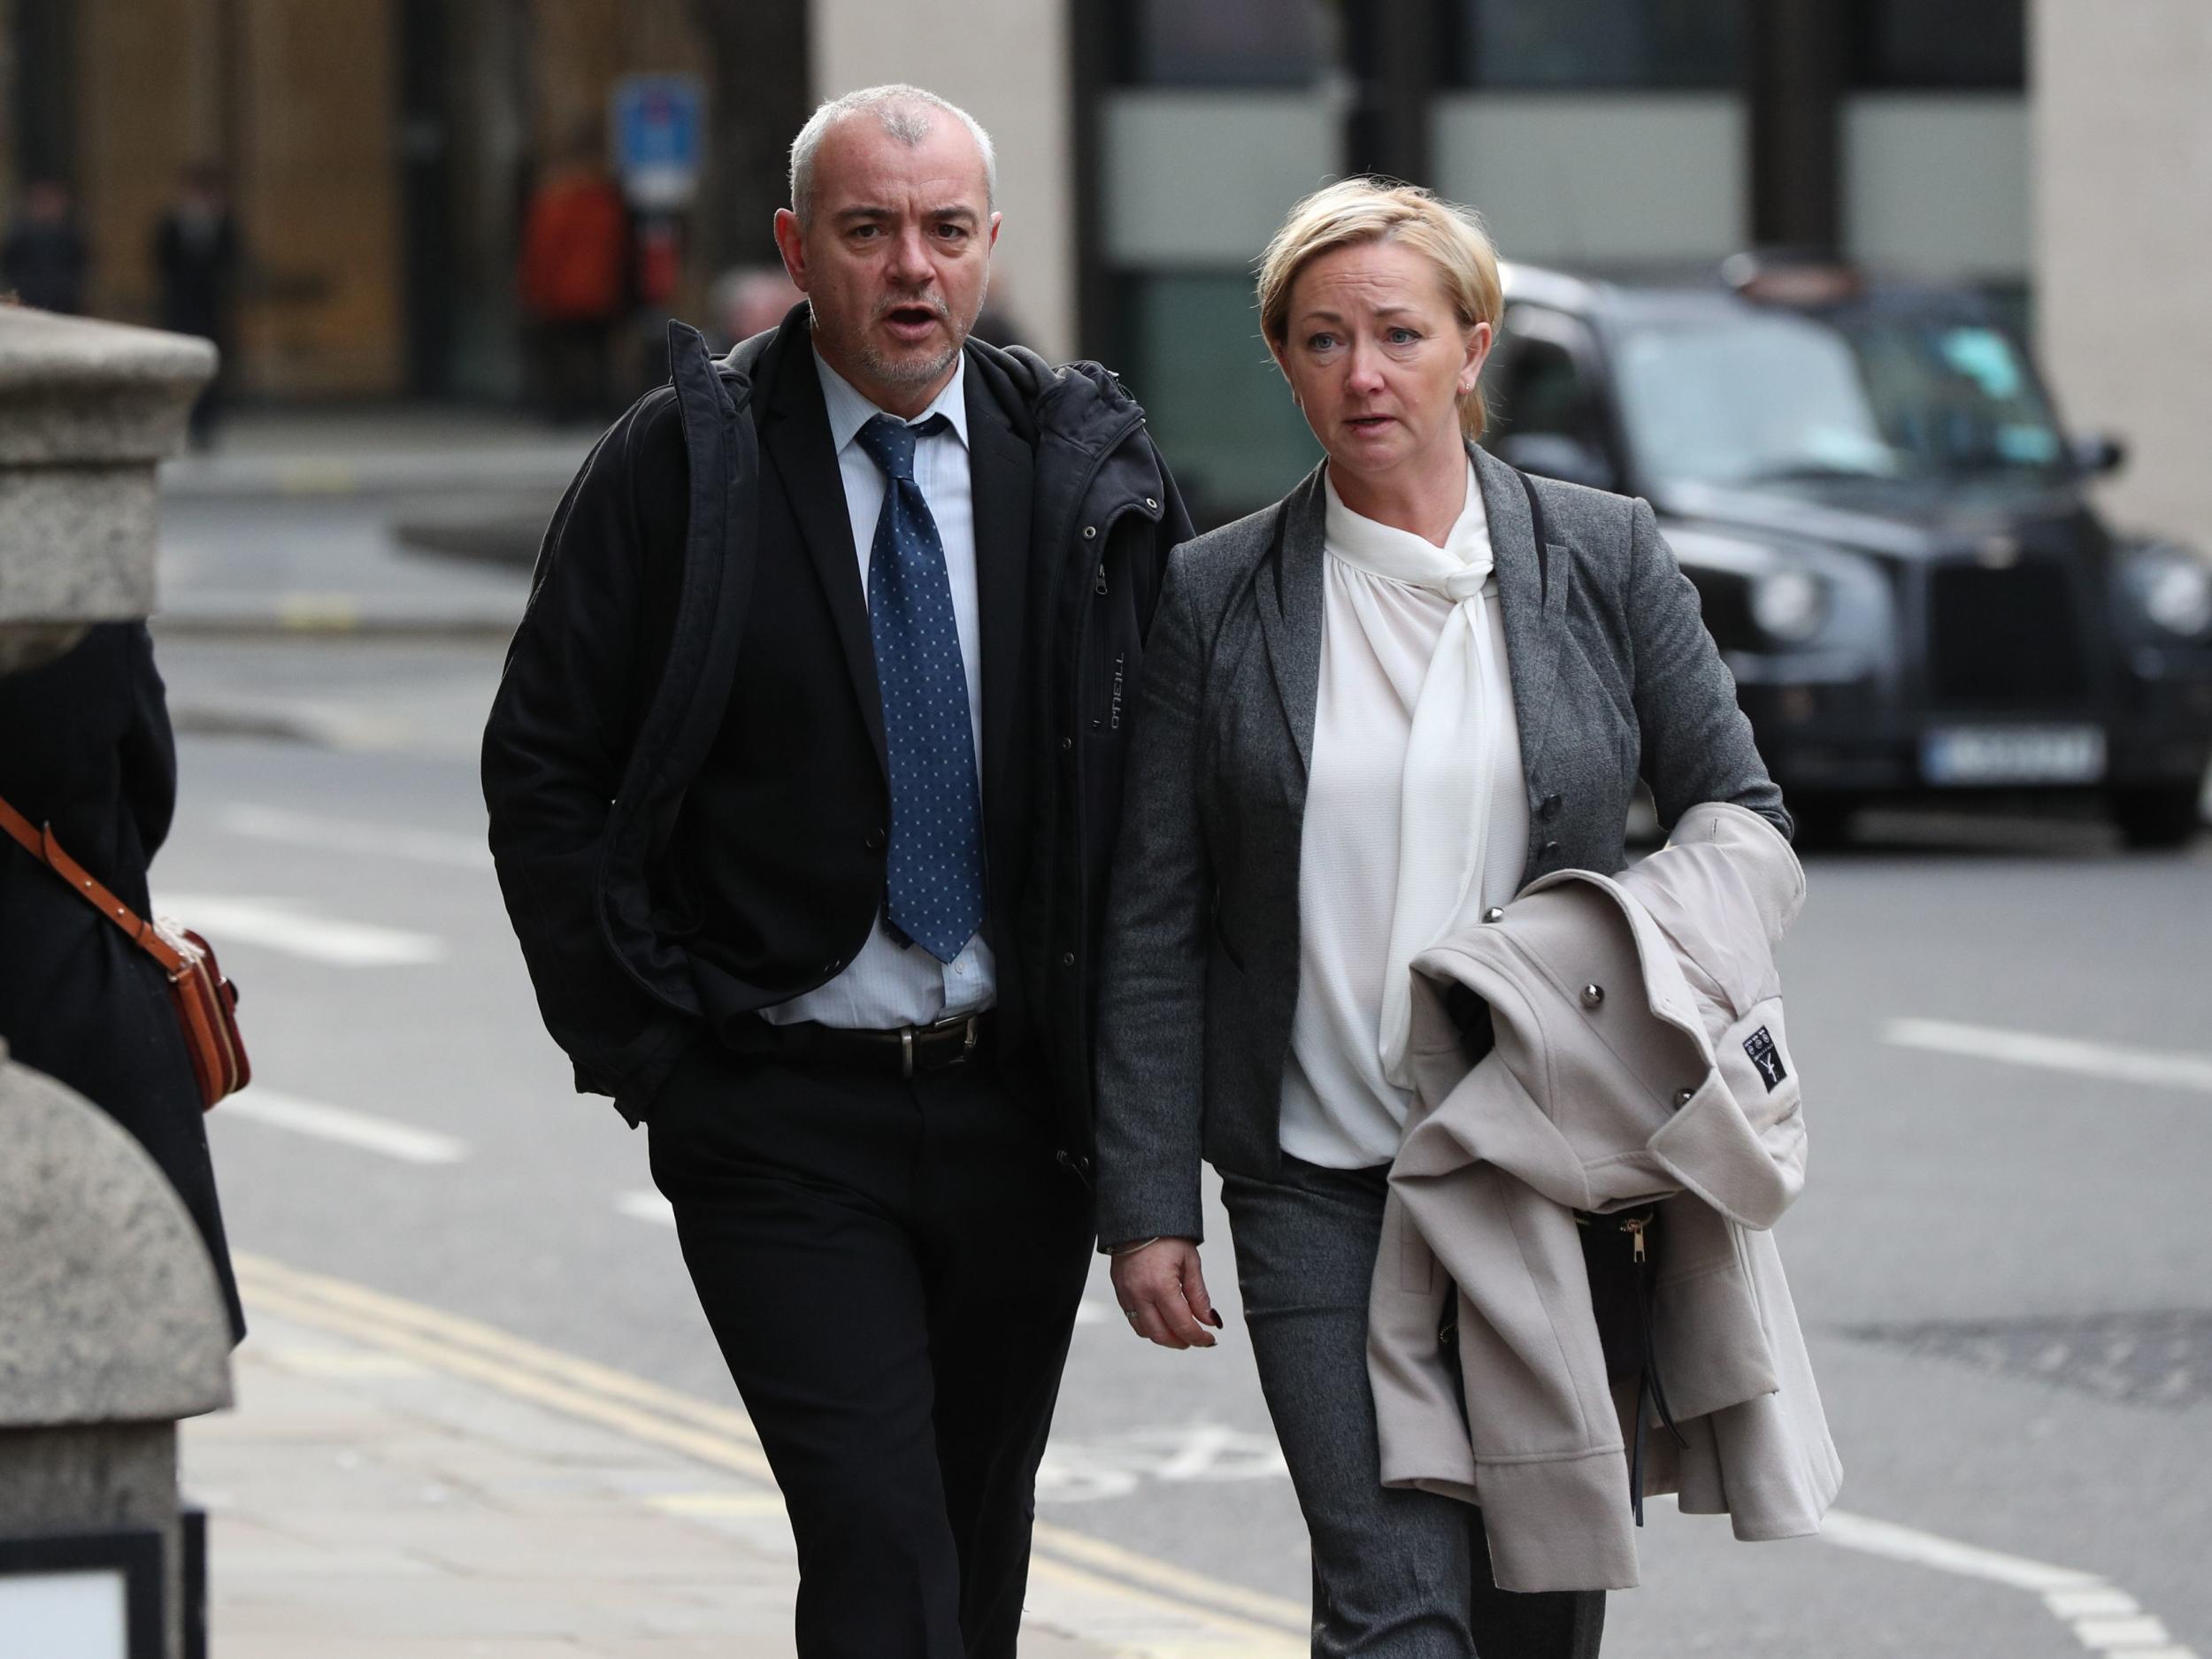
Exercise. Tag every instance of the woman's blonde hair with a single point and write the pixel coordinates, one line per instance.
(1355, 210)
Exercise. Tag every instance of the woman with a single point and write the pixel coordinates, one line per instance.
(1381, 703)
(89, 750)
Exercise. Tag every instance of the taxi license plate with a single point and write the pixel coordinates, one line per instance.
(1965, 754)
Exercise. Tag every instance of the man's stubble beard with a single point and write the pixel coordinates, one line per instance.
(902, 372)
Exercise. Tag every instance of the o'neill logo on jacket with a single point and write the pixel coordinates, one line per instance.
(1759, 1046)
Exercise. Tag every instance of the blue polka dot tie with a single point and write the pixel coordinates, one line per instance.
(936, 855)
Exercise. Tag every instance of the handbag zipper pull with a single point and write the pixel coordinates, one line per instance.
(1634, 1228)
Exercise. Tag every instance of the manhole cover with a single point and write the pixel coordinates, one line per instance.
(2157, 1359)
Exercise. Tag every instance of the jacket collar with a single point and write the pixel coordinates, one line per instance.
(1001, 474)
(794, 433)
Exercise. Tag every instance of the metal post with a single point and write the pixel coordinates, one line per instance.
(1392, 49)
(1795, 70)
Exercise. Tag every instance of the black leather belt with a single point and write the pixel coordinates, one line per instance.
(905, 1052)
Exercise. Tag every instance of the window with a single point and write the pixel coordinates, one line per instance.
(1227, 42)
(1539, 387)
(1194, 358)
(1905, 44)
(1537, 43)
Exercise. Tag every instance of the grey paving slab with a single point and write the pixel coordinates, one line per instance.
(407, 1512)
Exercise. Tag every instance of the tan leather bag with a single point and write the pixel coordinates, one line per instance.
(205, 1001)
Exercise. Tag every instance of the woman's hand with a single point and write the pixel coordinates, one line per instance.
(1163, 1292)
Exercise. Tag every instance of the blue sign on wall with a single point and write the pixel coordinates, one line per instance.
(659, 126)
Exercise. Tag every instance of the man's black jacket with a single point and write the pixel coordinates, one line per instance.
(618, 678)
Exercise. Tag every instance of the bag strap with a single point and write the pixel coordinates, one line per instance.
(40, 844)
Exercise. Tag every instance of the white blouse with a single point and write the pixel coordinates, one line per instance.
(1392, 853)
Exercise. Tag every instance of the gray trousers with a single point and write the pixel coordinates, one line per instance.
(1397, 1574)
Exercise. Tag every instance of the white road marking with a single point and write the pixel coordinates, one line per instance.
(344, 1126)
(646, 1206)
(1084, 1472)
(290, 926)
(303, 829)
(2156, 1067)
(2104, 1618)
(1871, 1537)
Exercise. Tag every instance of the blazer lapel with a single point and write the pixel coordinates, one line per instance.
(1532, 588)
(998, 469)
(1290, 605)
(796, 437)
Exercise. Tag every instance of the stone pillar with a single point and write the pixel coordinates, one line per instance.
(112, 1328)
(87, 410)
(2122, 131)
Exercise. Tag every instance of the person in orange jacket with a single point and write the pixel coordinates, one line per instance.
(573, 280)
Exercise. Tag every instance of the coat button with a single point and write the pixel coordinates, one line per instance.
(1683, 1096)
(1592, 995)
(1089, 530)
(1494, 914)
(1152, 503)
(1067, 959)
(1550, 807)
(1550, 848)
(875, 841)
(1067, 743)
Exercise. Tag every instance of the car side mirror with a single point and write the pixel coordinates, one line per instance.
(2099, 452)
(1555, 454)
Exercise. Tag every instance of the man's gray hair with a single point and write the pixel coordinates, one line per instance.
(904, 112)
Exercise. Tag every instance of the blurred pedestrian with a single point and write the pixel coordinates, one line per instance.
(88, 752)
(43, 258)
(574, 280)
(1362, 720)
(196, 259)
(747, 300)
(766, 773)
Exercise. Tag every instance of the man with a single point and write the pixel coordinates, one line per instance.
(803, 778)
(43, 258)
(196, 259)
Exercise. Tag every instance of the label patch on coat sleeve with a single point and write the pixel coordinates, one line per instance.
(1759, 1046)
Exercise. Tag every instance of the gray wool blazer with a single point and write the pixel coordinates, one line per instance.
(1614, 677)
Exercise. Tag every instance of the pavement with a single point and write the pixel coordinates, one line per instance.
(400, 1481)
(376, 448)
(413, 522)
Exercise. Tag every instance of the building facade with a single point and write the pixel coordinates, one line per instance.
(2058, 152)
(1608, 134)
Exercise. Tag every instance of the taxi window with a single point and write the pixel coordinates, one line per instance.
(1542, 390)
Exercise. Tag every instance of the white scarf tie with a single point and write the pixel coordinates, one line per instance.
(1451, 756)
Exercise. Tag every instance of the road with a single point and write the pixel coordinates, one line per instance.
(2003, 1029)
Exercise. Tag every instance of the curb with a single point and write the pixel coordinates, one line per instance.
(335, 622)
(236, 478)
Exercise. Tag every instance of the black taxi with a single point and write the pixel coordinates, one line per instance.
(1889, 529)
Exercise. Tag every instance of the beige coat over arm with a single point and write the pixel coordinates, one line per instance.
(1640, 1054)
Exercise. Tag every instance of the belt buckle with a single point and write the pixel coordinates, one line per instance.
(951, 1023)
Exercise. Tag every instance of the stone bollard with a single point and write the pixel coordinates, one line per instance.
(87, 410)
(112, 1328)
(111, 1325)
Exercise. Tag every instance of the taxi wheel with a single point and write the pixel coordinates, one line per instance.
(2165, 815)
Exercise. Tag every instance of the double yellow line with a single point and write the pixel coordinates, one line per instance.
(1144, 1607)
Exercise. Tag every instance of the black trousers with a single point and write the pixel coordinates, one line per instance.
(892, 1268)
